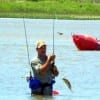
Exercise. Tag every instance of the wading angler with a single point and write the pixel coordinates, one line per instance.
(44, 71)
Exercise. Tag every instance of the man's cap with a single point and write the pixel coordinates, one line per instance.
(40, 43)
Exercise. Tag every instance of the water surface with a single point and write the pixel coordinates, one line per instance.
(80, 67)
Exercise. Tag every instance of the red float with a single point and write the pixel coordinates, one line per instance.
(55, 92)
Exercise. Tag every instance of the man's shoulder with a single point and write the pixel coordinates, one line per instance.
(35, 60)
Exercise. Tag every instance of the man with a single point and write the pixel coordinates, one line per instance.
(44, 70)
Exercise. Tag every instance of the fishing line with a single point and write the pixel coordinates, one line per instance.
(28, 56)
(53, 35)
(66, 81)
(26, 43)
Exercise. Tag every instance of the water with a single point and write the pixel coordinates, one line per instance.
(80, 67)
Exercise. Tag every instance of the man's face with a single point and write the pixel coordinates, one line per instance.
(42, 51)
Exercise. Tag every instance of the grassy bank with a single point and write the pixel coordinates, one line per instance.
(62, 9)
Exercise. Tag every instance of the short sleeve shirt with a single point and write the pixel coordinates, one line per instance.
(36, 64)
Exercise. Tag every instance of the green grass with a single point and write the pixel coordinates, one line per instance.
(63, 9)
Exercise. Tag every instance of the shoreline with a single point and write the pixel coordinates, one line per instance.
(49, 16)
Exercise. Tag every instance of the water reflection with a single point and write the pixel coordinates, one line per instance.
(42, 97)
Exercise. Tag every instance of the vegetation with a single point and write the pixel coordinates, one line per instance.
(62, 9)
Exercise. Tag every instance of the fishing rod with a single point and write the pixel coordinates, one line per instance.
(28, 56)
(53, 35)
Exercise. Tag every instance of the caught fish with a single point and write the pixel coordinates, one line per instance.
(67, 82)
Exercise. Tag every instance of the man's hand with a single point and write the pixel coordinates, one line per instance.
(52, 58)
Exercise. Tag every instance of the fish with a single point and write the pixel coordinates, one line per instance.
(67, 82)
(60, 33)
